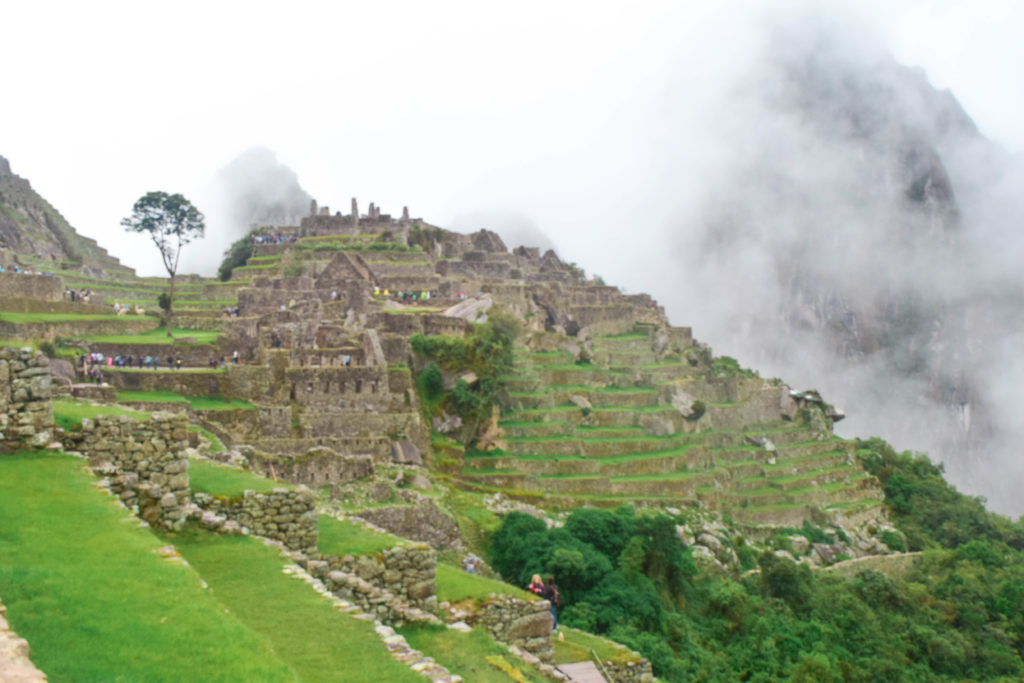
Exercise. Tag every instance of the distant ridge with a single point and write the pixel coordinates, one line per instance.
(39, 235)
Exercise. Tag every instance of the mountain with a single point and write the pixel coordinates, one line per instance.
(41, 237)
(855, 235)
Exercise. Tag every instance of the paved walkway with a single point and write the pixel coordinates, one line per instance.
(582, 672)
(15, 666)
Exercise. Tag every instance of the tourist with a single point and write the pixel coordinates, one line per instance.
(234, 358)
(536, 585)
(550, 593)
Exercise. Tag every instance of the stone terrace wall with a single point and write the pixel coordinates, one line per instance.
(145, 463)
(406, 572)
(629, 672)
(26, 412)
(44, 287)
(527, 625)
(283, 515)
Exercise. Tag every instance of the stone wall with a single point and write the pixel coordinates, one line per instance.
(144, 462)
(629, 671)
(44, 287)
(405, 572)
(26, 412)
(319, 466)
(421, 522)
(526, 625)
(283, 515)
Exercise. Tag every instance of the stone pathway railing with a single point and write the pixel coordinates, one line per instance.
(15, 665)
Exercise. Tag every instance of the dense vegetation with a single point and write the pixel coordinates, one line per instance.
(957, 614)
(488, 353)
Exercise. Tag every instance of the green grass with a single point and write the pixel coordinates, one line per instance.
(157, 336)
(213, 403)
(151, 397)
(221, 480)
(466, 653)
(216, 445)
(337, 537)
(577, 647)
(319, 642)
(455, 584)
(68, 413)
(65, 317)
(195, 403)
(86, 588)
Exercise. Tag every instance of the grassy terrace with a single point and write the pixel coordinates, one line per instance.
(157, 336)
(195, 403)
(318, 642)
(69, 413)
(342, 537)
(70, 576)
(467, 653)
(67, 317)
(220, 480)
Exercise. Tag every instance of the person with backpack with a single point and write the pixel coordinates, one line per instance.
(549, 591)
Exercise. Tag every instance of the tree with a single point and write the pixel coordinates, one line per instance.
(171, 221)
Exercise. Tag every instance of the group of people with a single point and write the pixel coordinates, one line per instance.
(230, 311)
(82, 295)
(23, 271)
(272, 239)
(96, 359)
(406, 294)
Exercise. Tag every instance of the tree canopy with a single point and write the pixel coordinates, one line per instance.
(170, 220)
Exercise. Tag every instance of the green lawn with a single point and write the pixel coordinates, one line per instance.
(196, 403)
(454, 584)
(337, 537)
(86, 587)
(466, 653)
(216, 445)
(157, 336)
(220, 480)
(319, 642)
(65, 317)
(578, 646)
(68, 412)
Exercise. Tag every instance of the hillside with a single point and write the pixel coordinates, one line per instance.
(378, 399)
(40, 237)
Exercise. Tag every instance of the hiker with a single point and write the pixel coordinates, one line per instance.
(470, 564)
(550, 593)
(177, 363)
(536, 585)
(234, 358)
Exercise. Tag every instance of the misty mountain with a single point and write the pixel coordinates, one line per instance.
(253, 190)
(855, 236)
(37, 233)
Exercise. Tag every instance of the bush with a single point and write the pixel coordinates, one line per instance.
(430, 383)
(164, 301)
(893, 540)
(236, 255)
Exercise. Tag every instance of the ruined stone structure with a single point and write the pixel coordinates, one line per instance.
(524, 624)
(26, 412)
(144, 462)
(283, 515)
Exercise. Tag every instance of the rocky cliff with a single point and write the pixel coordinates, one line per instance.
(31, 228)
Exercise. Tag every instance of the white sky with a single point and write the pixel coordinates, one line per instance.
(551, 109)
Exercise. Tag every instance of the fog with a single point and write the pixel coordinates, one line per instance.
(753, 165)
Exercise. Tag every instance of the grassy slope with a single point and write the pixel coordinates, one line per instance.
(95, 601)
(321, 643)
